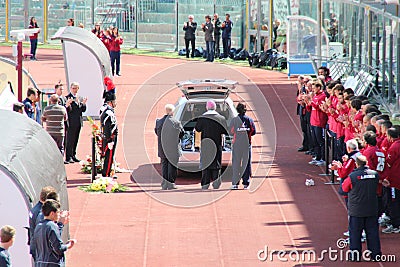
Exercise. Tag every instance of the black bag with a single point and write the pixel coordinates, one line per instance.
(242, 55)
(182, 52)
(199, 52)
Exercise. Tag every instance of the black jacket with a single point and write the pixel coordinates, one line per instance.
(190, 30)
(75, 111)
(168, 131)
(212, 126)
(363, 200)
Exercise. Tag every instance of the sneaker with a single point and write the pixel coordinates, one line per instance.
(313, 162)
(245, 186)
(363, 239)
(234, 187)
(320, 163)
(384, 220)
(364, 235)
(391, 230)
(346, 233)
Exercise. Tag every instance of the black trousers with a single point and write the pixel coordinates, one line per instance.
(115, 61)
(193, 42)
(208, 175)
(169, 172)
(393, 206)
(108, 159)
(319, 148)
(371, 227)
(72, 141)
(34, 43)
(306, 131)
(226, 43)
(217, 39)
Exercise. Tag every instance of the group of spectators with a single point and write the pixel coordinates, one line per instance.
(112, 40)
(63, 116)
(46, 223)
(366, 153)
(212, 29)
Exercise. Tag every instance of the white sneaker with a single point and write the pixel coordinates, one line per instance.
(364, 235)
(391, 230)
(320, 163)
(313, 162)
(384, 220)
(346, 233)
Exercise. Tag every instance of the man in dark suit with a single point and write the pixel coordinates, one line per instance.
(168, 131)
(190, 29)
(212, 126)
(76, 106)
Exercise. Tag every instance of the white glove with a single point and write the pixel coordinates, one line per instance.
(110, 145)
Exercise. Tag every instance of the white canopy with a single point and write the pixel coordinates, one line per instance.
(29, 160)
(87, 62)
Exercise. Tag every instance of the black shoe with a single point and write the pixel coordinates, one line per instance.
(205, 187)
(302, 149)
(66, 162)
(75, 159)
(308, 152)
(187, 56)
(119, 74)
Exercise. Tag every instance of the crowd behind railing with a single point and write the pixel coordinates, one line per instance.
(350, 125)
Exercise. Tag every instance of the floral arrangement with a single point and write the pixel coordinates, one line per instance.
(86, 165)
(105, 185)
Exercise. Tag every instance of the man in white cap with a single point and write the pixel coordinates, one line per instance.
(212, 126)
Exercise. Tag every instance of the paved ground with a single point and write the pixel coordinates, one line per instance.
(188, 227)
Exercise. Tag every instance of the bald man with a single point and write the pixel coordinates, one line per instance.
(212, 126)
(168, 131)
(55, 115)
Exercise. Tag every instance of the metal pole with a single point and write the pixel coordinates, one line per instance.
(45, 20)
(369, 32)
(92, 11)
(271, 22)
(360, 38)
(377, 41)
(258, 39)
(384, 57)
(177, 25)
(136, 23)
(319, 31)
(353, 39)
(94, 169)
(390, 67)
(326, 145)
(7, 19)
(397, 72)
(19, 70)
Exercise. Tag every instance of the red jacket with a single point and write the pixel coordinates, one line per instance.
(339, 115)
(376, 162)
(106, 41)
(115, 45)
(35, 35)
(318, 117)
(393, 164)
(349, 165)
(331, 117)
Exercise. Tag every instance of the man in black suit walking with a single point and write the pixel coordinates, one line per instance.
(76, 106)
(212, 126)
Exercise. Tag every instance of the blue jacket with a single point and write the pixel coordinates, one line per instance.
(226, 31)
(47, 245)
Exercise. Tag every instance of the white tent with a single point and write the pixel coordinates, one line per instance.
(87, 62)
(29, 160)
